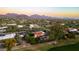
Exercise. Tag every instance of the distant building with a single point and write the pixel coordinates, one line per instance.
(12, 24)
(34, 26)
(72, 29)
(20, 26)
(3, 29)
(62, 24)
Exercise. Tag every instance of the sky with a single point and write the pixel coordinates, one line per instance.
(48, 11)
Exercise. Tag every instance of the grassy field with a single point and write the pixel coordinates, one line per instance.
(72, 47)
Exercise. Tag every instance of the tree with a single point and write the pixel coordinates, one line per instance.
(30, 38)
(18, 38)
(71, 35)
(56, 32)
(12, 29)
(9, 43)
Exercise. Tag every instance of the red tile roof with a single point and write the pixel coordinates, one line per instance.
(38, 34)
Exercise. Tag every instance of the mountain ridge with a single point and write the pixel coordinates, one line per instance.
(36, 16)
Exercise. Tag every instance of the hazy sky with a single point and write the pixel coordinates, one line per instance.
(48, 11)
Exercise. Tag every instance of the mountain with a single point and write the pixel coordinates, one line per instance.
(14, 15)
(11, 14)
(22, 16)
(36, 16)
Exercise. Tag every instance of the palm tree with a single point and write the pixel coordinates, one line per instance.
(9, 43)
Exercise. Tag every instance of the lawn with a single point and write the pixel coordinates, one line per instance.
(72, 47)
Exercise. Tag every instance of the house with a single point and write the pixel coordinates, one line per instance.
(3, 29)
(7, 36)
(72, 29)
(39, 34)
(34, 26)
(22, 33)
(12, 24)
(62, 24)
(20, 26)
